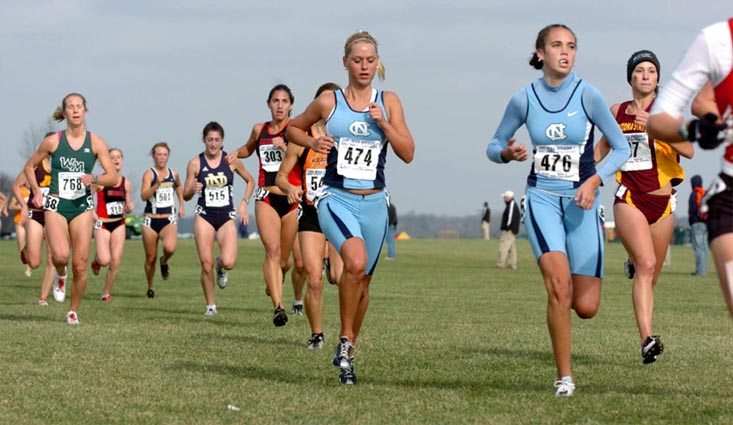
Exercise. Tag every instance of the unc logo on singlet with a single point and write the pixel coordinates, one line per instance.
(359, 128)
(556, 132)
(216, 193)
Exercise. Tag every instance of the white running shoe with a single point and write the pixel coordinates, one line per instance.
(564, 388)
(72, 318)
(210, 310)
(222, 276)
(59, 288)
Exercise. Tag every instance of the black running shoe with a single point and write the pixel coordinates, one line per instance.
(347, 376)
(164, 269)
(342, 358)
(151, 293)
(327, 270)
(651, 348)
(280, 318)
(629, 269)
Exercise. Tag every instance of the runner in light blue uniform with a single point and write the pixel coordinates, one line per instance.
(352, 210)
(561, 124)
(363, 148)
(562, 219)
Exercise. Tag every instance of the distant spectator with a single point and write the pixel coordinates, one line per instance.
(485, 220)
(509, 230)
(3, 207)
(243, 232)
(698, 230)
(391, 231)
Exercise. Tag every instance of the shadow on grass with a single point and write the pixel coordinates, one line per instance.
(543, 356)
(27, 318)
(29, 284)
(251, 372)
(477, 385)
(250, 339)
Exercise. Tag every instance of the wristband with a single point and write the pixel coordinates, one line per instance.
(95, 178)
(683, 132)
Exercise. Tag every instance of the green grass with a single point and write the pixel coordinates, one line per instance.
(447, 339)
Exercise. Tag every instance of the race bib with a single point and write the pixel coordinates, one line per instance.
(51, 203)
(115, 208)
(70, 185)
(271, 157)
(164, 197)
(641, 154)
(314, 182)
(44, 191)
(261, 194)
(216, 196)
(358, 159)
(560, 162)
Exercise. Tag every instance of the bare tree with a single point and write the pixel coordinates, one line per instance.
(33, 136)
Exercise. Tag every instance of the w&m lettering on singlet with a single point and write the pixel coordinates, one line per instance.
(72, 164)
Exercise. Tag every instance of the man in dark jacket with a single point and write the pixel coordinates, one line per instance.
(698, 229)
(485, 220)
(391, 231)
(509, 230)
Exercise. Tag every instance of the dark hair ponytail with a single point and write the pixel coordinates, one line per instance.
(536, 62)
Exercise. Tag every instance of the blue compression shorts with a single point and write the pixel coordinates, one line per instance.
(344, 215)
(555, 223)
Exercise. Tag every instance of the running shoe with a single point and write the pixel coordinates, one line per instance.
(106, 297)
(95, 267)
(327, 271)
(279, 318)
(151, 293)
(23, 258)
(348, 377)
(297, 308)
(59, 288)
(222, 275)
(316, 341)
(210, 310)
(28, 272)
(629, 269)
(564, 388)
(42, 302)
(342, 358)
(72, 318)
(164, 269)
(651, 348)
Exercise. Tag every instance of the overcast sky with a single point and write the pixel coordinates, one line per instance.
(160, 70)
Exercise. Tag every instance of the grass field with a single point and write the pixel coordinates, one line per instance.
(447, 339)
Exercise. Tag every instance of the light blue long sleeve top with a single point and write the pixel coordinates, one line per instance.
(558, 118)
